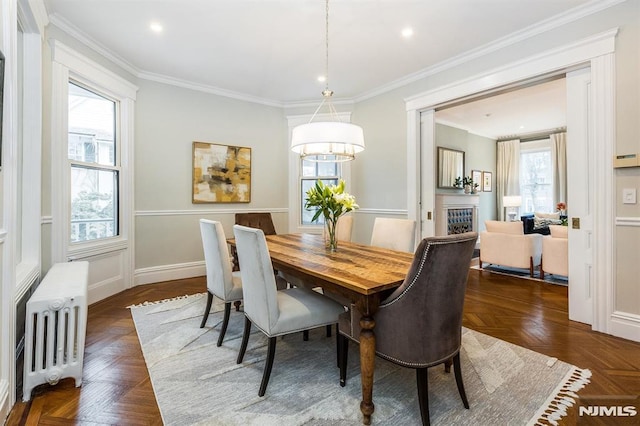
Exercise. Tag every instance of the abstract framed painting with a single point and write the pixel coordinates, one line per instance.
(221, 173)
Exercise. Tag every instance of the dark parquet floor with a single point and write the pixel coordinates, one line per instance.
(116, 389)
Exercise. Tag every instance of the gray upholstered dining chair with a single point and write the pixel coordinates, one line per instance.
(420, 324)
(222, 282)
(394, 234)
(274, 312)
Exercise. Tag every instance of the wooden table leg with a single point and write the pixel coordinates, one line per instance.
(367, 366)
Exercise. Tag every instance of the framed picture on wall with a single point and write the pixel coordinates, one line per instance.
(486, 181)
(476, 176)
(221, 173)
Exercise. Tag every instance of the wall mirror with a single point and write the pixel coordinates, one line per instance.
(450, 167)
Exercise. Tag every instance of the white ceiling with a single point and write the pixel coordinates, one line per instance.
(272, 51)
(532, 109)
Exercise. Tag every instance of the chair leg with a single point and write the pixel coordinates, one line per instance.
(338, 347)
(344, 355)
(329, 330)
(237, 304)
(225, 322)
(245, 339)
(305, 335)
(541, 270)
(447, 365)
(531, 266)
(423, 394)
(271, 351)
(206, 310)
(458, 373)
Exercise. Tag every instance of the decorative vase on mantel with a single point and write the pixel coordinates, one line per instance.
(467, 189)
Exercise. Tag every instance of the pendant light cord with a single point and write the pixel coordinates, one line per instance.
(326, 69)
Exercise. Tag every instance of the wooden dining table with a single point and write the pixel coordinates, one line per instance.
(363, 274)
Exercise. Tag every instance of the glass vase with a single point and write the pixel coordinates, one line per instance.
(330, 240)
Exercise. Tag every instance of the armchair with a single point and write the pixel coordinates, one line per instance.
(555, 252)
(420, 324)
(504, 243)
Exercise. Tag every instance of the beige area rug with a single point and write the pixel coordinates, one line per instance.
(197, 383)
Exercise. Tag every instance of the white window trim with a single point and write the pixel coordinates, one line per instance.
(295, 203)
(70, 65)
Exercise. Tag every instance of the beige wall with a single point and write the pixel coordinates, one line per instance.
(480, 154)
(168, 120)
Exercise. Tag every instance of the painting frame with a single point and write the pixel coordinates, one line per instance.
(476, 176)
(220, 173)
(487, 181)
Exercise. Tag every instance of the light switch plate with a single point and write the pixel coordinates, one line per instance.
(629, 196)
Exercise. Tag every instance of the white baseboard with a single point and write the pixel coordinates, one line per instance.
(177, 271)
(5, 408)
(625, 325)
(104, 289)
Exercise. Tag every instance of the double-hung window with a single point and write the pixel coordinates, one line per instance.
(94, 165)
(328, 172)
(536, 178)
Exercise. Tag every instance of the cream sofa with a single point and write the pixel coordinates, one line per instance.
(555, 252)
(506, 244)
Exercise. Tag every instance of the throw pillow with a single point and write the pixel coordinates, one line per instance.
(547, 215)
(539, 222)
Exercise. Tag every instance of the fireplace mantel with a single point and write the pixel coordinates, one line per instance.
(452, 211)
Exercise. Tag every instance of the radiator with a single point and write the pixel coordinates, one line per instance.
(56, 324)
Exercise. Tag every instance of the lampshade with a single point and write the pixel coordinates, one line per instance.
(328, 140)
(512, 201)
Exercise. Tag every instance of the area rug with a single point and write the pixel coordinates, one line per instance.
(524, 273)
(197, 383)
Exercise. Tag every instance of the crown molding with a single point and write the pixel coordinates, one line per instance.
(83, 38)
(466, 129)
(538, 28)
(208, 89)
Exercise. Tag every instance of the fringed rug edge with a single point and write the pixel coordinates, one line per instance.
(157, 302)
(562, 398)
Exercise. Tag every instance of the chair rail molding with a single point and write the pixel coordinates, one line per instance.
(627, 221)
(388, 212)
(200, 212)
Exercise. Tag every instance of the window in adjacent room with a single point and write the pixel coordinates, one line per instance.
(310, 171)
(536, 176)
(93, 159)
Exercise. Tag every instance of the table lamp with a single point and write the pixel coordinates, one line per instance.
(512, 202)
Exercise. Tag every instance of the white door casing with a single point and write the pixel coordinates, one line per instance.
(597, 52)
(579, 202)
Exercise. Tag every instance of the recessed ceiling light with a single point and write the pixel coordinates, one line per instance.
(155, 27)
(521, 127)
(322, 78)
(407, 32)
